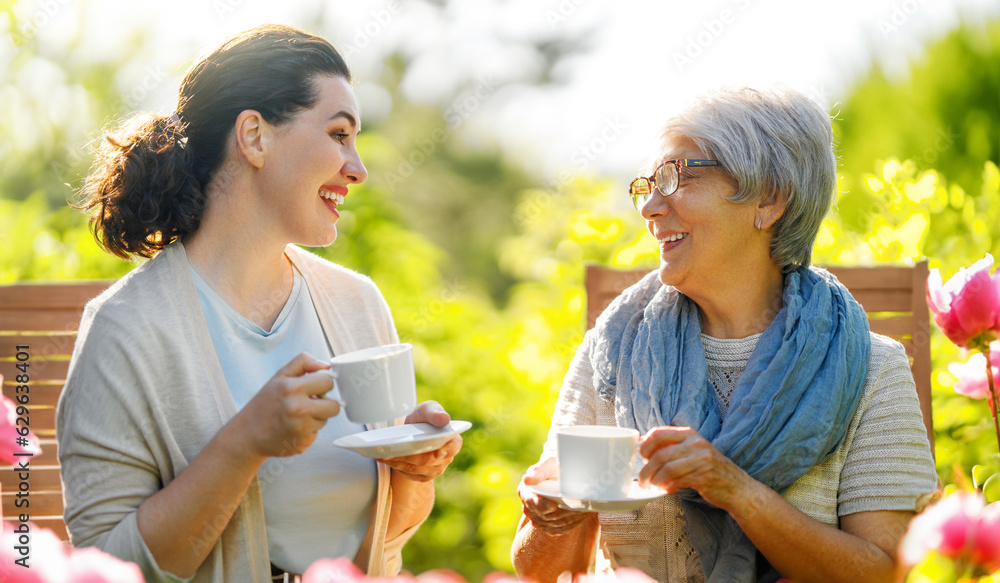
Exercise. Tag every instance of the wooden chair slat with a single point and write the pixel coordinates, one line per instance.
(47, 320)
(40, 504)
(47, 347)
(50, 296)
(858, 278)
(898, 327)
(49, 455)
(40, 479)
(39, 372)
(887, 300)
(39, 395)
(55, 524)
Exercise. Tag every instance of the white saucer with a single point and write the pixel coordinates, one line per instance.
(636, 498)
(400, 440)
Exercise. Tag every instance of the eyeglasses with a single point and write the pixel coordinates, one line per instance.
(665, 178)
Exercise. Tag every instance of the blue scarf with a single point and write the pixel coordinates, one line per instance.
(789, 411)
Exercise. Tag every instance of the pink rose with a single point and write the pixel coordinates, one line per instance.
(91, 565)
(968, 305)
(971, 374)
(9, 434)
(986, 550)
(340, 570)
(47, 561)
(440, 576)
(946, 527)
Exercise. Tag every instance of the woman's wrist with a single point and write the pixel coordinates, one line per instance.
(236, 443)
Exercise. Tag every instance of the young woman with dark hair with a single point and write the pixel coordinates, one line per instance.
(191, 438)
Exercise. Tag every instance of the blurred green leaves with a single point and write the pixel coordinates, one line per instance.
(483, 267)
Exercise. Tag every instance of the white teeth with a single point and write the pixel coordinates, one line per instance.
(329, 194)
(672, 238)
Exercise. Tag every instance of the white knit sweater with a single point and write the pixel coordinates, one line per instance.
(884, 463)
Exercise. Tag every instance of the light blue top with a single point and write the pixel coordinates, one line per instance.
(316, 504)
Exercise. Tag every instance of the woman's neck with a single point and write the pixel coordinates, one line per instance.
(232, 253)
(745, 306)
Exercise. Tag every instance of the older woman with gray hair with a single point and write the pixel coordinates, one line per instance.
(787, 437)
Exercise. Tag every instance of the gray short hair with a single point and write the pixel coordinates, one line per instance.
(770, 141)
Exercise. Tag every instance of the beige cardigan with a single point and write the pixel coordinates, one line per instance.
(145, 393)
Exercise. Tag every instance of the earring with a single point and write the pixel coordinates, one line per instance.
(759, 223)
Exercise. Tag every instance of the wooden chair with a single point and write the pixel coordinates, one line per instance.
(894, 298)
(40, 320)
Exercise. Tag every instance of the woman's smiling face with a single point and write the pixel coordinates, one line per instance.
(312, 162)
(703, 237)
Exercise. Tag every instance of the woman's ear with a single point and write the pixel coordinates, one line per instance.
(252, 135)
(770, 210)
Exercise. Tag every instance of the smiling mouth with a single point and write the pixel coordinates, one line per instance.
(332, 196)
(672, 238)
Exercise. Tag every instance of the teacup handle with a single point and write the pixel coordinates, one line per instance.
(638, 464)
(340, 402)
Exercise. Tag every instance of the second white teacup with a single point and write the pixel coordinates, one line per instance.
(596, 462)
(376, 384)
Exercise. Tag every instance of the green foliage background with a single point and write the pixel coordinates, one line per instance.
(486, 280)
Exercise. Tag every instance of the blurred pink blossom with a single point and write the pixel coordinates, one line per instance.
(958, 527)
(91, 565)
(9, 433)
(50, 561)
(971, 374)
(333, 571)
(47, 562)
(967, 306)
(986, 550)
(440, 576)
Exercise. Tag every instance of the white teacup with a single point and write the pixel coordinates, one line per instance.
(596, 462)
(376, 384)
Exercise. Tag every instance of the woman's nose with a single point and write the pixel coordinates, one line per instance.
(355, 169)
(654, 206)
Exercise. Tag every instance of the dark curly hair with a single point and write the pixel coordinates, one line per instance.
(147, 186)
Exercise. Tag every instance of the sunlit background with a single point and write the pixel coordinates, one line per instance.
(499, 138)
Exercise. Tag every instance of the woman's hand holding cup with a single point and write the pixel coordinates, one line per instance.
(284, 416)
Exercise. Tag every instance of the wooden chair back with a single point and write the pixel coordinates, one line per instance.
(894, 298)
(38, 325)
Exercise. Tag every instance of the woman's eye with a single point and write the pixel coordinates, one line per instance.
(340, 136)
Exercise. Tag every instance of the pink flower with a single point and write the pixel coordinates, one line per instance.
(946, 527)
(500, 577)
(46, 555)
(971, 374)
(440, 576)
(986, 550)
(957, 527)
(10, 432)
(91, 565)
(968, 305)
(340, 570)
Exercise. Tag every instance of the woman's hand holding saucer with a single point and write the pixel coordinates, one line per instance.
(545, 514)
(424, 467)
